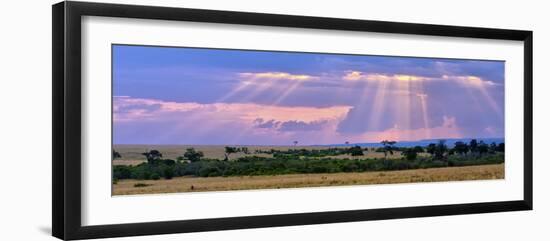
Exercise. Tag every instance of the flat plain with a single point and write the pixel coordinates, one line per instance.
(131, 154)
(201, 184)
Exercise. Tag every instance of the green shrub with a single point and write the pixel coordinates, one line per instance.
(168, 162)
(122, 172)
(292, 162)
(355, 151)
(155, 176)
(168, 172)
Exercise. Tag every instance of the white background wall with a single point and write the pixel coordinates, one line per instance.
(25, 119)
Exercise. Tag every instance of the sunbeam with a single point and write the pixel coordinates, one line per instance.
(286, 92)
(403, 100)
(378, 104)
(481, 86)
(270, 98)
(491, 101)
(241, 86)
(425, 119)
(256, 89)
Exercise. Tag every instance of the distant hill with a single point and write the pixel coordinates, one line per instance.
(449, 142)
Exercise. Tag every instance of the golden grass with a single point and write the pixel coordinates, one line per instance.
(131, 154)
(201, 184)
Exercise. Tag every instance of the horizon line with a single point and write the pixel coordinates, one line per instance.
(331, 144)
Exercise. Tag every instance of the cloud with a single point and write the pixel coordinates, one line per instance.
(470, 80)
(292, 126)
(126, 108)
(138, 120)
(466, 80)
(157, 109)
(447, 128)
(360, 76)
(303, 126)
(202, 96)
(488, 70)
(276, 76)
(271, 124)
(141, 120)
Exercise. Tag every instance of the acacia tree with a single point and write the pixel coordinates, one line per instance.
(500, 147)
(473, 146)
(152, 155)
(228, 151)
(493, 148)
(295, 143)
(192, 155)
(482, 148)
(461, 147)
(431, 149)
(388, 147)
(244, 150)
(440, 150)
(116, 154)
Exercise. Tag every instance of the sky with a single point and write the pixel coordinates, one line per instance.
(197, 96)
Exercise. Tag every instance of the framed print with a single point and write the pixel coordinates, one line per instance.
(169, 120)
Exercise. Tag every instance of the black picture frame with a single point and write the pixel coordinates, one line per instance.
(66, 75)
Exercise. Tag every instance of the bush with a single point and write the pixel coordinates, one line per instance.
(122, 172)
(155, 176)
(410, 154)
(168, 173)
(142, 171)
(356, 151)
(290, 162)
(168, 162)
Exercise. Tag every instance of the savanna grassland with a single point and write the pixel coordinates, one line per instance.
(140, 169)
(202, 184)
(133, 154)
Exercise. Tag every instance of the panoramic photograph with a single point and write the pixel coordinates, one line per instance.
(200, 119)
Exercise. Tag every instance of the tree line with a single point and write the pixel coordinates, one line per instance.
(296, 161)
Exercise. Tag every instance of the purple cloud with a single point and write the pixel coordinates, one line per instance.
(184, 95)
